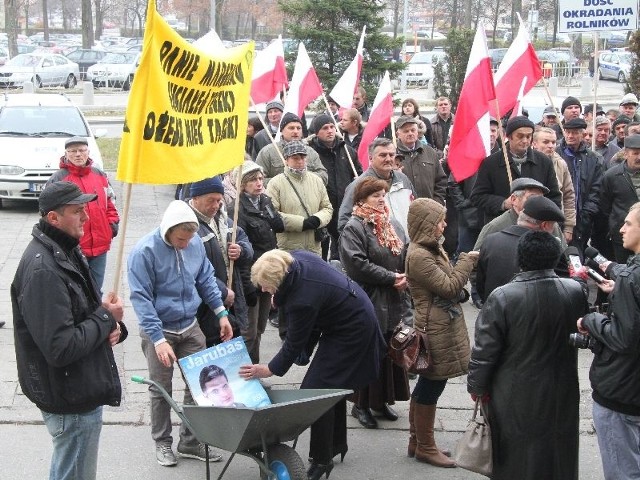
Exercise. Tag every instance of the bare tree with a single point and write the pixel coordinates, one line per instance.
(11, 25)
(87, 24)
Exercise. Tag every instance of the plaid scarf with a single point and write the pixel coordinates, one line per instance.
(382, 227)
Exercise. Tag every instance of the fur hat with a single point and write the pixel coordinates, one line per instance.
(538, 250)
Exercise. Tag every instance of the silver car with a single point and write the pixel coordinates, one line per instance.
(43, 69)
(614, 65)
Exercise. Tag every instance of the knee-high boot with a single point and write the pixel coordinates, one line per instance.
(411, 450)
(424, 417)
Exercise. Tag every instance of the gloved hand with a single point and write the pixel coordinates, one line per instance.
(310, 223)
(251, 298)
(579, 273)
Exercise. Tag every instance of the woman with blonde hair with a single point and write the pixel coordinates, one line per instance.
(372, 252)
(437, 291)
(322, 306)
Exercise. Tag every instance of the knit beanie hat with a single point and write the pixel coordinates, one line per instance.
(569, 101)
(289, 118)
(319, 121)
(538, 250)
(250, 166)
(518, 122)
(208, 185)
(275, 104)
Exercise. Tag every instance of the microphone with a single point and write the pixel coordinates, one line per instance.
(576, 269)
(573, 255)
(595, 255)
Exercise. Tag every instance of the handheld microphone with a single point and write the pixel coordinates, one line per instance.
(574, 258)
(595, 255)
(595, 275)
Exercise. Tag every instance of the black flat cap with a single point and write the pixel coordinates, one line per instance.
(543, 209)
(575, 123)
(58, 194)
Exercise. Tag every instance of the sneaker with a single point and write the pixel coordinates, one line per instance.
(197, 452)
(165, 455)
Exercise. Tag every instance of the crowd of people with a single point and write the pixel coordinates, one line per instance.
(347, 254)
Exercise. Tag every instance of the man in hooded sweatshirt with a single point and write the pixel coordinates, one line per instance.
(169, 277)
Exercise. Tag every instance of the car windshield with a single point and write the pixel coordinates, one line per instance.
(24, 61)
(625, 58)
(427, 57)
(119, 58)
(34, 120)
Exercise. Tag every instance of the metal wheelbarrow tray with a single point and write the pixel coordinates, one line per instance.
(259, 433)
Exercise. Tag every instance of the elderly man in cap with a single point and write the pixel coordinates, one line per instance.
(619, 126)
(270, 157)
(420, 162)
(586, 168)
(64, 333)
(498, 261)
(303, 202)
(604, 147)
(340, 161)
(617, 197)
(76, 166)
(215, 229)
(169, 277)
(273, 116)
(492, 190)
(629, 107)
(549, 117)
(588, 114)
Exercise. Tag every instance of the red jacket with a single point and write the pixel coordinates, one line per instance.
(102, 225)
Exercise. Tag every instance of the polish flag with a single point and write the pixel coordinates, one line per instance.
(470, 142)
(519, 62)
(305, 85)
(269, 73)
(210, 43)
(517, 109)
(343, 91)
(379, 118)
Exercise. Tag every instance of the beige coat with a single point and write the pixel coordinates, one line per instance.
(568, 194)
(314, 194)
(430, 274)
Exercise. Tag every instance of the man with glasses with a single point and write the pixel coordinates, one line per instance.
(102, 226)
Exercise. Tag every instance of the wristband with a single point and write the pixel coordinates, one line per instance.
(222, 313)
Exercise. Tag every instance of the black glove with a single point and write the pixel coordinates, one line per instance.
(251, 298)
(311, 223)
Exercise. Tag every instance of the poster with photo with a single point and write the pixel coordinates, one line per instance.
(213, 378)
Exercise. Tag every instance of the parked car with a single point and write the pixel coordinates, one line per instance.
(614, 65)
(4, 55)
(43, 69)
(85, 57)
(419, 70)
(33, 129)
(116, 69)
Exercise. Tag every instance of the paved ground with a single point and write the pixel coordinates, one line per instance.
(127, 449)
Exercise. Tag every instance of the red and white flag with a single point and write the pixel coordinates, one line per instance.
(305, 86)
(470, 142)
(269, 72)
(517, 109)
(343, 91)
(519, 62)
(379, 118)
(209, 42)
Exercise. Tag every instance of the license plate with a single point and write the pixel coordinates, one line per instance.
(36, 187)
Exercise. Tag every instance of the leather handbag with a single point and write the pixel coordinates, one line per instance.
(409, 349)
(474, 450)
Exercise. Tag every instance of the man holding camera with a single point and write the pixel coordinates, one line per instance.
(615, 371)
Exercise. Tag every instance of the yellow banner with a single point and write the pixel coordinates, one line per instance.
(187, 113)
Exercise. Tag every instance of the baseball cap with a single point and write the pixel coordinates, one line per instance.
(58, 194)
(76, 140)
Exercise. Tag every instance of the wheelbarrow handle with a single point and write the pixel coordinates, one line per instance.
(167, 397)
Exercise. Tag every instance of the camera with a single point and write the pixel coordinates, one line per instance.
(578, 340)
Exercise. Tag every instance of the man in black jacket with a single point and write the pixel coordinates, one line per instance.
(63, 337)
(492, 190)
(586, 168)
(620, 186)
(615, 371)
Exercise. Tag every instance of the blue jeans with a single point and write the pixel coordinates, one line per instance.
(75, 444)
(97, 266)
(619, 443)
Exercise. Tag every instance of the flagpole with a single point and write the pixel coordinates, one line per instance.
(335, 122)
(253, 104)
(234, 232)
(504, 144)
(596, 42)
(546, 89)
(122, 231)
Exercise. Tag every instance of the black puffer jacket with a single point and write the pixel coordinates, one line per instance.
(260, 224)
(615, 371)
(65, 363)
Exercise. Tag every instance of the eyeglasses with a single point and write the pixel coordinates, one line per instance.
(77, 150)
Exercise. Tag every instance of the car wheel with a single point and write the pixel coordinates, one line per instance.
(600, 76)
(126, 85)
(622, 77)
(71, 81)
(37, 82)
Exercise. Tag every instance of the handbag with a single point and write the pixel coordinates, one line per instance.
(320, 234)
(409, 349)
(474, 450)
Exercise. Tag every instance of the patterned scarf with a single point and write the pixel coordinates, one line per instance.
(382, 227)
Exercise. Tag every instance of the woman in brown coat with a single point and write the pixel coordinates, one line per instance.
(437, 290)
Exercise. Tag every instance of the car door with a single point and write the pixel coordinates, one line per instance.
(605, 65)
(46, 70)
(62, 69)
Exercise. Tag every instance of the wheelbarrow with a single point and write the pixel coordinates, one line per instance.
(258, 433)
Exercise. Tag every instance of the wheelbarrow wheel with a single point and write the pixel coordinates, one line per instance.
(285, 464)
